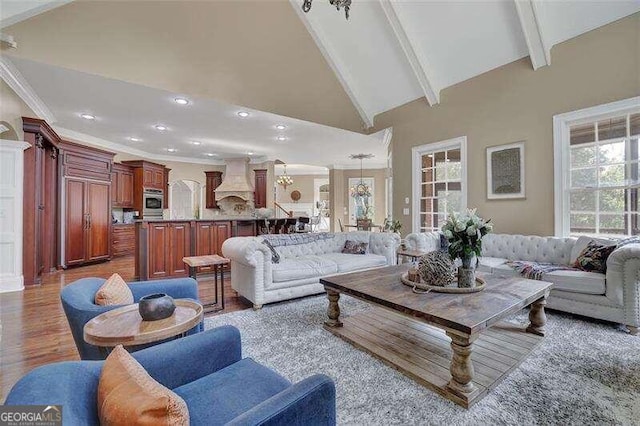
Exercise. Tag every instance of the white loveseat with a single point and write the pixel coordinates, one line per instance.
(298, 272)
(614, 296)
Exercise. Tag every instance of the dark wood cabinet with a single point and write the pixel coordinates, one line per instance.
(165, 187)
(87, 200)
(87, 221)
(260, 194)
(147, 175)
(122, 186)
(40, 203)
(168, 243)
(123, 240)
(214, 179)
(209, 239)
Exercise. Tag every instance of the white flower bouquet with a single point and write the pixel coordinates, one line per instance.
(464, 231)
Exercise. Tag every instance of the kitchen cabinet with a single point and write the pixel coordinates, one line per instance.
(213, 181)
(40, 201)
(168, 242)
(260, 194)
(209, 239)
(147, 175)
(86, 213)
(123, 240)
(121, 186)
(87, 221)
(165, 187)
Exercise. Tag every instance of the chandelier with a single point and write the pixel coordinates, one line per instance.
(306, 5)
(284, 179)
(361, 189)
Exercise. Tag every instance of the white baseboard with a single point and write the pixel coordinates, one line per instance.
(11, 283)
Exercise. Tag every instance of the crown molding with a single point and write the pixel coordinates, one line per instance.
(23, 89)
(339, 69)
(539, 51)
(369, 166)
(83, 138)
(418, 62)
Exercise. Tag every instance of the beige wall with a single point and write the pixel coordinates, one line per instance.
(302, 183)
(340, 198)
(515, 103)
(12, 109)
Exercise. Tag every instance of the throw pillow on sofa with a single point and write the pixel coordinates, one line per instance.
(114, 291)
(581, 244)
(594, 257)
(354, 247)
(127, 394)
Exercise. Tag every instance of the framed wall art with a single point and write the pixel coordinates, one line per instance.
(505, 171)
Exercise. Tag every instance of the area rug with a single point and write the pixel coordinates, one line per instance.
(584, 373)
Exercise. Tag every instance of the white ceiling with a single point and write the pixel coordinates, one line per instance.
(450, 41)
(14, 11)
(125, 110)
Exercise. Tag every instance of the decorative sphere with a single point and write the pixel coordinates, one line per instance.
(436, 268)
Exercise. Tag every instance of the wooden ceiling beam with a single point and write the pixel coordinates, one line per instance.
(539, 50)
(417, 61)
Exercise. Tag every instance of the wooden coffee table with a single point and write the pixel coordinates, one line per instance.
(455, 344)
(124, 326)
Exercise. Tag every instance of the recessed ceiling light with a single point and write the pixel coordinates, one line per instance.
(196, 143)
(281, 127)
(282, 138)
(209, 154)
(249, 153)
(88, 116)
(181, 101)
(243, 114)
(160, 127)
(132, 139)
(171, 149)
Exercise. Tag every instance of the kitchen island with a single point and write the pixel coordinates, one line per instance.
(160, 245)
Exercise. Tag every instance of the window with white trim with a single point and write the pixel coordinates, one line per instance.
(441, 181)
(601, 174)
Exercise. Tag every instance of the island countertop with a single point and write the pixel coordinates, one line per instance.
(162, 243)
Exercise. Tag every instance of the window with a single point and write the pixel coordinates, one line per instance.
(597, 175)
(439, 183)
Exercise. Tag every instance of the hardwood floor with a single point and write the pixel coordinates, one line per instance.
(34, 330)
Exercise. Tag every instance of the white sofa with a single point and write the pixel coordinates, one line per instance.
(614, 296)
(301, 266)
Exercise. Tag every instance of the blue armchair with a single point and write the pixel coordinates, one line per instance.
(79, 307)
(206, 370)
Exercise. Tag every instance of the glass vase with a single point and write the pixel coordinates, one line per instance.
(466, 274)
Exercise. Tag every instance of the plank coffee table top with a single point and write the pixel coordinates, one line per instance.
(124, 326)
(466, 313)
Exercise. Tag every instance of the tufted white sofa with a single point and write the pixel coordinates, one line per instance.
(614, 296)
(301, 266)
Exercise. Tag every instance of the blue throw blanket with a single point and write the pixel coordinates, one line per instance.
(280, 240)
(534, 270)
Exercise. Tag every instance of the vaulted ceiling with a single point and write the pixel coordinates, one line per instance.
(319, 67)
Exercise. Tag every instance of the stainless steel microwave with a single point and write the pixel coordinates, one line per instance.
(152, 204)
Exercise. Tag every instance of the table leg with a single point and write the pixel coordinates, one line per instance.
(462, 370)
(192, 272)
(333, 312)
(537, 317)
(222, 285)
(215, 280)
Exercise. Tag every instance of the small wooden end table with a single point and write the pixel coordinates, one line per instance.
(124, 326)
(411, 254)
(218, 263)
